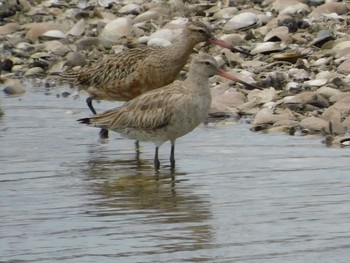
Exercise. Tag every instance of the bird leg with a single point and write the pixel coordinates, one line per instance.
(137, 149)
(103, 132)
(172, 156)
(89, 103)
(156, 160)
(137, 146)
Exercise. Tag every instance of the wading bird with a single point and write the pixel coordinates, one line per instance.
(136, 71)
(167, 113)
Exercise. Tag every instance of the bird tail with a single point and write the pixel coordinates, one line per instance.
(70, 77)
(65, 77)
(86, 121)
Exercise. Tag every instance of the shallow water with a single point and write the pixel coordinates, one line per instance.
(236, 196)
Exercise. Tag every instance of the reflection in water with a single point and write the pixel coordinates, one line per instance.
(243, 197)
(127, 187)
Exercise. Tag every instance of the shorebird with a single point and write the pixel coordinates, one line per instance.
(167, 113)
(135, 71)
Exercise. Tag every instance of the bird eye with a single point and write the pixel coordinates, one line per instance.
(207, 63)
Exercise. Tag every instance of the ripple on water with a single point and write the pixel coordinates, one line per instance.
(235, 196)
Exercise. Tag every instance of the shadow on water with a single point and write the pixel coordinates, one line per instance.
(159, 205)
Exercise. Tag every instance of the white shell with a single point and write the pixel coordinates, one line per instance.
(130, 8)
(241, 21)
(266, 47)
(77, 29)
(53, 34)
(166, 34)
(116, 29)
(316, 82)
(158, 42)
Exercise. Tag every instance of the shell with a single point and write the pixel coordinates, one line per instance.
(278, 34)
(130, 9)
(241, 21)
(322, 37)
(77, 29)
(52, 34)
(267, 48)
(115, 30)
(288, 56)
(290, 7)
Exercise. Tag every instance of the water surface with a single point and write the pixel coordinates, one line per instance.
(236, 196)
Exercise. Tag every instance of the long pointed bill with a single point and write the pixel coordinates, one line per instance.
(223, 44)
(231, 77)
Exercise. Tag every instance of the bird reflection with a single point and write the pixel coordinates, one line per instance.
(129, 187)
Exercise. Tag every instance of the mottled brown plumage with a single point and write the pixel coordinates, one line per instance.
(135, 71)
(166, 113)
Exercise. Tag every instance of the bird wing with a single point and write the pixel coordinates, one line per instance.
(150, 110)
(115, 68)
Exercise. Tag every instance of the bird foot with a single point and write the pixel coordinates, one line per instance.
(104, 134)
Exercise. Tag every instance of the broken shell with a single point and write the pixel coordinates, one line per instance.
(77, 29)
(322, 37)
(278, 34)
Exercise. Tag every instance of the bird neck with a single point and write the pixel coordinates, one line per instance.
(200, 80)
(183, 46)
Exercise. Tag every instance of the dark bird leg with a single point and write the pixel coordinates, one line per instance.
(103, 132)
(89, 103)
(137, 148)
(156, 160)
(172, 156)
